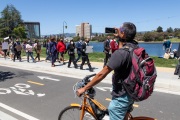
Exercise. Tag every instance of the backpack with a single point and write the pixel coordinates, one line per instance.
(38, 46)
(140, 82)
(18, 47)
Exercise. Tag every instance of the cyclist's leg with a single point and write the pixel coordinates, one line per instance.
(119, 106)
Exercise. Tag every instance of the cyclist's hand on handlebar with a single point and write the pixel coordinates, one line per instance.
(80, 91)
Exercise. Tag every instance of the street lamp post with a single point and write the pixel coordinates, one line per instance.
(63, 28)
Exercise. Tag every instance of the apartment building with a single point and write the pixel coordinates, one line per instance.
(84, 30)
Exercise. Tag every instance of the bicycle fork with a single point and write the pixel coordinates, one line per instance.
(84, 107)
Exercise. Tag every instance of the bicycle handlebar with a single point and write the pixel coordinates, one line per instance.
(86, 79)
(82, 83)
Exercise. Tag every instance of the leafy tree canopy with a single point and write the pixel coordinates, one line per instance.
(159, 29)
(10, 19)
(169, 30)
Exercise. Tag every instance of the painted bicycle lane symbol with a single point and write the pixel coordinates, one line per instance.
(20, 89)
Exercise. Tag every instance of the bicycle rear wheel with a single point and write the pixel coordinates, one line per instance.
(73, 113)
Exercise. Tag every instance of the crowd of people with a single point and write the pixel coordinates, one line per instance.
(55, 50)
(13, 49)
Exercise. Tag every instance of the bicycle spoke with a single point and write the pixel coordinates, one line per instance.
(73, 113)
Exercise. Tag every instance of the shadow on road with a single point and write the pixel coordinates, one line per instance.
(6, 75)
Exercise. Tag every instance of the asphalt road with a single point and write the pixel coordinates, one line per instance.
(38, 96)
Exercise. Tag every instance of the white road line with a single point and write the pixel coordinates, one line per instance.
(18, 112)
(4, 116)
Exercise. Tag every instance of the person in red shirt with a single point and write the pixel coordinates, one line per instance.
(114, 45)
(61, 48)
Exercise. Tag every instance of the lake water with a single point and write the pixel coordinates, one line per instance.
(153, 49)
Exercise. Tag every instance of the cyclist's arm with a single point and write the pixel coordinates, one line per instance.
(98, 78)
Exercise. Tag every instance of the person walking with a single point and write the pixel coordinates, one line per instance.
(48, 55)
(107, 50)
(5, 47)
(79, 48)
(121, 63)
(53, 51)
(17, 50)
(57, 55)
(61, 48)
(29, 51)
(85, 56)
(11, 50)
(37, 48)
(71, 53)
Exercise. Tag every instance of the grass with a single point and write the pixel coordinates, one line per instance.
(99, 57)
(175, 40)
(161, 62)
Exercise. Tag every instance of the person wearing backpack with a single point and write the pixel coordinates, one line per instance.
(71, 52)
(85, 57)
(121, 63)
(17, 50)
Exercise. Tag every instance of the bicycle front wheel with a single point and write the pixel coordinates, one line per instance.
(73, 113)
(143, 118)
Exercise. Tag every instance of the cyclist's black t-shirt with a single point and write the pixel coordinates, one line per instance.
(120, 62)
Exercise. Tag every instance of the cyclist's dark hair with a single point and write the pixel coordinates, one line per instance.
(130, 31)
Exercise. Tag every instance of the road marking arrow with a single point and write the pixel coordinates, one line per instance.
(46, 77)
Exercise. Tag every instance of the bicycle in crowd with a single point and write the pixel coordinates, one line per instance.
(90, 109)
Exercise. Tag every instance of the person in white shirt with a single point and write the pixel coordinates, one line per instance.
(29, 51)
(5, 47)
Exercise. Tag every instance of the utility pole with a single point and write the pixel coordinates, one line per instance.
(63, 28)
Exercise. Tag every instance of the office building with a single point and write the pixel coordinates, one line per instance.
(32, 29)
(84, 30)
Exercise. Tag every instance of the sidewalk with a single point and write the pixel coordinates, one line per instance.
(166, 80)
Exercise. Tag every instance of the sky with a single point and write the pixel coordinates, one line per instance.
(147, 15)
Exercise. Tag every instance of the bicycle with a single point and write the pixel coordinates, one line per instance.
(90, 109)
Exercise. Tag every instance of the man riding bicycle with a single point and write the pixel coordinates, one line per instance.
(120, 62)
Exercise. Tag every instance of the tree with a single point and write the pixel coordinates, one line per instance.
(159, 29)
(169, 30)
(148, 37)
(77, 38)
(19, 31)
(176, 29)
(10, 19)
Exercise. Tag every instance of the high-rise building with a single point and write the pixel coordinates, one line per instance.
(84, 30)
